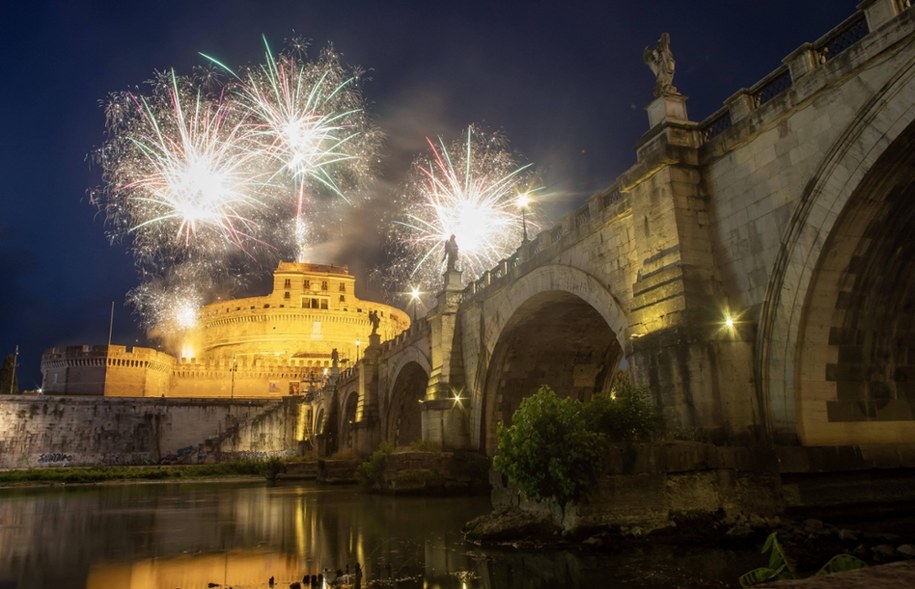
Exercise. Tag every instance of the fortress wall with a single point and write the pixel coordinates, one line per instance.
(44, 430)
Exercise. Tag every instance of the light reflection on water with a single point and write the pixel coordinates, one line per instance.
(240, 534)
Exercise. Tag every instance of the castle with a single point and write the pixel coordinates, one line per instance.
(265, 346)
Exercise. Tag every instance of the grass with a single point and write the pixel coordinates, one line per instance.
(97, 474)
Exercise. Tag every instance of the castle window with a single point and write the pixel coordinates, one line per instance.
(314, 303)
(323, 303)
(342, 287)
(287, 283)
(286, 295)
(342, 299)
(307, 284)
(323, 285)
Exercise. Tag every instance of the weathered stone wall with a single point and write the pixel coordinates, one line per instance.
(434, 473)
(651, 486)
(782, 179)
(48, 430)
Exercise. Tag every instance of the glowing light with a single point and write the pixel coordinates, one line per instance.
(457, 400)
(186, 314)
(468, 189)
(729, 322)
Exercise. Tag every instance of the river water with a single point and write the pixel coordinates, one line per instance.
(190, 535)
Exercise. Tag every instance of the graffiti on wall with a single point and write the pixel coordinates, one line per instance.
(54, 458)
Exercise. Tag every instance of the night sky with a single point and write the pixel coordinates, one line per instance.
(564, 81)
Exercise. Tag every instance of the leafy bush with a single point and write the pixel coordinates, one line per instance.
(781, 567)
(549, 452)
(273, 467)
(625, 414)
(555, 447)
(424, 446)
(369, 473)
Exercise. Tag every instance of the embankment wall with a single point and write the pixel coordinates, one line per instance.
(45, 430)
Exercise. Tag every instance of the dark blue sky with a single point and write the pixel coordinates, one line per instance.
(563, 80)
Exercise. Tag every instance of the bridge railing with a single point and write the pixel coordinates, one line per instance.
(597, 209)
(808, 57)
(417, 330)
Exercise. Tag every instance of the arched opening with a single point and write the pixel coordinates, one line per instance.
(856, 369)
(317, 431)
(554, 338)
(404, 414)
(347, 420)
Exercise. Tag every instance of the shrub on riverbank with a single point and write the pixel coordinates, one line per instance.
(555, 446)
(96, 474)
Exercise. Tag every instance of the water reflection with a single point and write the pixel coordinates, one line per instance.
(239, 535)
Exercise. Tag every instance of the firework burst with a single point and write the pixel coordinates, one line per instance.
(198, 175)
(471, 190)
(307, 118)
(182, 179)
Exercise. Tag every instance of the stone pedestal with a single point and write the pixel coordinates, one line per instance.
(668, 108)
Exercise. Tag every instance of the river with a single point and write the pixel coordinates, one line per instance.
(193, 535)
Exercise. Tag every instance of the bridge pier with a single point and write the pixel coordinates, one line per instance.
(367, 425)
(697, 365)
(445, 423)
(444, 418)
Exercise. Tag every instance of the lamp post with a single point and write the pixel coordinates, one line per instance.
(358, 343)
(523, 201)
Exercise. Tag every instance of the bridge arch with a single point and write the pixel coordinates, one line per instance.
(556, 325)
(346, 439)
(403, 411)
(839, 320)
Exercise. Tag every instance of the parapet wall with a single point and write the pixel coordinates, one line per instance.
(46, 430)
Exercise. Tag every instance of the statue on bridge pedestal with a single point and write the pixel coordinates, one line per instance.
(451, 253)
(375, 320)
(662, 64)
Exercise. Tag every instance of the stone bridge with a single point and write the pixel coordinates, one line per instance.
(753, 270)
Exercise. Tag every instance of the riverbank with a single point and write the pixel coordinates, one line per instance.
(808, 543)
(114, 474)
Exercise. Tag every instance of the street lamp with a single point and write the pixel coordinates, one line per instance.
(414, 296)
(358, 343)
(523, 201)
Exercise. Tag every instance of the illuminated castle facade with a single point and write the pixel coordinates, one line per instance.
(265, 346)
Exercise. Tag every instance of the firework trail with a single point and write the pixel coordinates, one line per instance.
(471, 190)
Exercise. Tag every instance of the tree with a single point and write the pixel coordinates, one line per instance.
(626, 414)
(549, 452)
